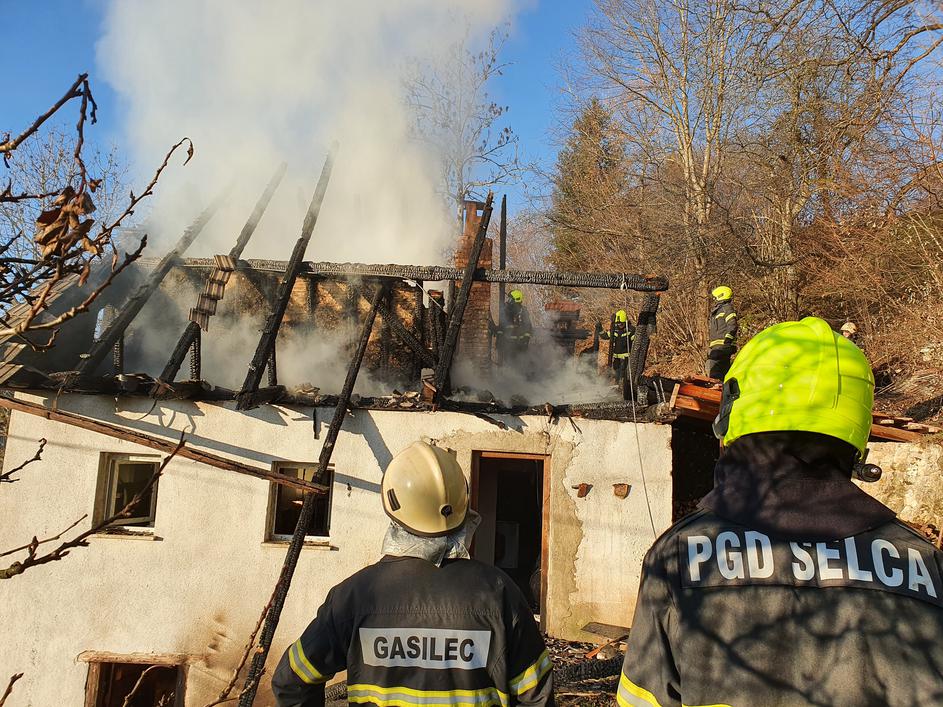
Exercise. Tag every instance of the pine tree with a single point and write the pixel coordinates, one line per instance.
(589, 188)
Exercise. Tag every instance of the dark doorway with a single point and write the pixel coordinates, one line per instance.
(694, 452)
(508, 490)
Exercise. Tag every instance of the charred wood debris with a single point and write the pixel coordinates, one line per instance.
(431, 339)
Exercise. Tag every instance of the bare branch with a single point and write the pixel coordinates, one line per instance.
(137, 685)
(6, 476)
(75, 90)
(6, 693)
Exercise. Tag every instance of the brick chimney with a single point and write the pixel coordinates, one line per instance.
(474, 340)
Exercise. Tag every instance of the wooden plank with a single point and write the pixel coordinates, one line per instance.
(692, 407)
(168, 659)
(606, 630)
(893, 434)
(159, 444)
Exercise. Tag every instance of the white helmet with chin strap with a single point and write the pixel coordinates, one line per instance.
(425, 491)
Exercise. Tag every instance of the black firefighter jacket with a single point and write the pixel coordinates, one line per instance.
(743, 614)
(722, 327)
(411, 633)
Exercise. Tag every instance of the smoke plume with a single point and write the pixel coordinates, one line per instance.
(257, 83)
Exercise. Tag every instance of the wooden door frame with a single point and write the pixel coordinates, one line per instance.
(477, 456)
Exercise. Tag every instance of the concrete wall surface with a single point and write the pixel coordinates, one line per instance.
(197, 585)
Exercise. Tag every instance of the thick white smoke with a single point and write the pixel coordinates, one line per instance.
(255, 83)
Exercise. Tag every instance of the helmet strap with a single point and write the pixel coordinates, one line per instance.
(731, 392)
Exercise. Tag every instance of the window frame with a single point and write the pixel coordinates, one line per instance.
(106, 495)
(97, 660)
(270, 534)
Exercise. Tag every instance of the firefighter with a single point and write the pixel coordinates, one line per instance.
(424, 624)
(790, 585)
(515, 330)
(850, 331)
(622, 334)
(721, 333)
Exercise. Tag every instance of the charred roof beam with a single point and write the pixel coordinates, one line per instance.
(133, 306)
(216, 283)
(457, 313)
(266, 344)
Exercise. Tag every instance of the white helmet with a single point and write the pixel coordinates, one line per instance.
(425, 491)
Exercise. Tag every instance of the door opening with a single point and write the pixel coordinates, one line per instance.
(510, 492)
(694, 452)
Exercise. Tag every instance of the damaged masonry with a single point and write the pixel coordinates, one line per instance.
(305, 378)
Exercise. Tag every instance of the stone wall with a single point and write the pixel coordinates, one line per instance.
(912, 483)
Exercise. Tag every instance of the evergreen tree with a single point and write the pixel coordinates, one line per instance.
(589, 189)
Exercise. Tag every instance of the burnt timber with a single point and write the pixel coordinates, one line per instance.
(162, 445)
(189, 339)
(435, 273)
(263, 352)
(115, 329)
(272, 616)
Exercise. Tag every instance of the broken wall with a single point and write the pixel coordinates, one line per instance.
(196, 585)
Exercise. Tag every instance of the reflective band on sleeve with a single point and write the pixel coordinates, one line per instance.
(631, 695)
(717, 342)
(731, 316)
(399, 696)
(302, 666)
(532, 675)
(719, 315)
(621, 355)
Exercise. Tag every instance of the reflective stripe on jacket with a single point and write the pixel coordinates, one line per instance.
(731, 616)
(411, 633)
(722, 327)
(621, 340)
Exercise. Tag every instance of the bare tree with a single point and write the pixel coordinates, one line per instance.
(773, 146)
(456, 116)
(64, 241)
(678, 75)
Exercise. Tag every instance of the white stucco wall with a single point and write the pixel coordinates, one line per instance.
(199, 586)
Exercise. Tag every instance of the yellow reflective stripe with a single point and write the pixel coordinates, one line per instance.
(620, 355)
(719, 315)
(631, 695)
(302, 667)
(528, 679)
(408, 697)
(717, 342)
(731, 316)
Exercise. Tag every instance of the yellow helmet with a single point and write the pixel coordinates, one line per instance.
(722, 293)
(425, 491)
(516, 295)
(798, 376)
(621, 316)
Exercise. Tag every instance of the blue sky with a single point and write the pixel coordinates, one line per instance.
(49, 42)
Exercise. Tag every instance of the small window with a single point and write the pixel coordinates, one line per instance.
(110, 685)
(286, 503)
(121, 478)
